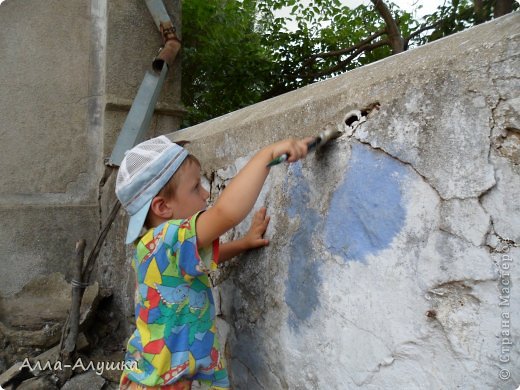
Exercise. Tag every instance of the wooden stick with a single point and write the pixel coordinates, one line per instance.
(91, 261)
(70, 331)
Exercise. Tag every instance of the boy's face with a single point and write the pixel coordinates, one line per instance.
(190, 196)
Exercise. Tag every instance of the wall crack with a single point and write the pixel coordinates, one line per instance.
(402, 162)
(249, 371)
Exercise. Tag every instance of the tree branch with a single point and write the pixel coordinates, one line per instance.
(342, 64)
(336, 53)
(394, 34)
(70, 330)
(503, 7)
(340, 52)
(420, 30)
(478, 7)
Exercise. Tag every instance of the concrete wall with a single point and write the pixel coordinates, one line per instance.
(394, 258)
(68, 75)
(69, 71)
(48, 195)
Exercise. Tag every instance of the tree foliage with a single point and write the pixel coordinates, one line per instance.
(236, 53)
(224, 63)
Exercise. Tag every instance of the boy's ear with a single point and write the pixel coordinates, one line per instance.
(161, 208)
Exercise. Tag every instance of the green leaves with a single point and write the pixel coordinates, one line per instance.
(224, 63)
(236, 53)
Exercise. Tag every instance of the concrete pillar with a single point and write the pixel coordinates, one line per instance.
(68, 75)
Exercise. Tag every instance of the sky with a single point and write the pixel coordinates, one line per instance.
(428, 6)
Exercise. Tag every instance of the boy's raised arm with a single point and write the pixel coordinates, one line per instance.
(238, 198)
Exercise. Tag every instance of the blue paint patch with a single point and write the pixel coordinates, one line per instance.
(366, 210)
(301, 292)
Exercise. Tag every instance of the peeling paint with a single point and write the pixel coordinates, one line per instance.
(385, 247)
(301, 294)
(366, 210)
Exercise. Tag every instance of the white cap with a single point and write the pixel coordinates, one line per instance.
(144, 171)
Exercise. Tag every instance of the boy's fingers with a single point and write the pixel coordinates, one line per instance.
(295, 154)
(305, 143)
(263, 224)
(258, 216)
(303, 150)
(263, 227)
(299, 149)
(263, 242)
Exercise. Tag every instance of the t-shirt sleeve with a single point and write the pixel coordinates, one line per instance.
(194, 261)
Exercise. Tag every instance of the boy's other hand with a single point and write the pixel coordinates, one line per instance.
(254, 238)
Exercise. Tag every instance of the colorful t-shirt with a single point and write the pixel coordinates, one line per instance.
(175, 338)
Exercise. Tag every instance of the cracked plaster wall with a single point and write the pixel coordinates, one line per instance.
(394, 255)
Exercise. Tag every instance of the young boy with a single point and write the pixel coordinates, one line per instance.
(158, 183)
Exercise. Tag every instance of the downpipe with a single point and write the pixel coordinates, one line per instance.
(169, 50)
(171, 43)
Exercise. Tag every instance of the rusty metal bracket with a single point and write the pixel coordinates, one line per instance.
(171, 43)
(168, 52)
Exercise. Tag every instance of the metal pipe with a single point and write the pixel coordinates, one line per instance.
(171, 43)
(139, 117)
(169, 51)
(159, 13)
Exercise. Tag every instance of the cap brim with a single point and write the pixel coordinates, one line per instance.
(136, 223)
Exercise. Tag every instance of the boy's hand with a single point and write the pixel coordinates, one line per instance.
(238, 198)
(295, 149)
(254, 237)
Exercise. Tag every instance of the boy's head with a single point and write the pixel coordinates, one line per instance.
(144, 172)
(181, 197)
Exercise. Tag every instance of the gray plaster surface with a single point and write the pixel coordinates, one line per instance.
(68, 75)
(41, 240)
(51, 83)
(45, 91)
